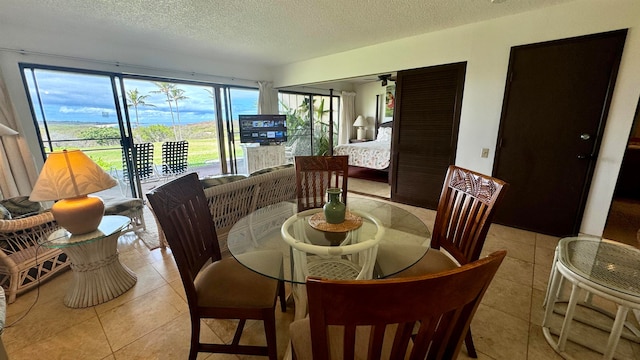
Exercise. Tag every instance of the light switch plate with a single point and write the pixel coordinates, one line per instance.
(485, 153)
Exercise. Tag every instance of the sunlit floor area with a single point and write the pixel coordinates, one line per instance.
(151, 320)
(623, 222)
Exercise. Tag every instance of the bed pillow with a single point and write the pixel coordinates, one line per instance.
(384, 134)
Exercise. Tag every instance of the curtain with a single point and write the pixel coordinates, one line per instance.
(18, 172)
(267, 98)
(347, 116)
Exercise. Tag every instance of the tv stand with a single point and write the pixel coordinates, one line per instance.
(260, 157)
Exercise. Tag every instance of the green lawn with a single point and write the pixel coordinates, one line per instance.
(200, 151)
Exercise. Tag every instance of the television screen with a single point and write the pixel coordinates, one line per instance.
(263, 129)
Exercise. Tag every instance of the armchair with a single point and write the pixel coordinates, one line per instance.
(23, 262)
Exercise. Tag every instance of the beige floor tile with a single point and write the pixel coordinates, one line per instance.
(524, 252)
(85, 340)
(541, 276)
(134, 319)
(500, 335)
(544, 256)
(170, 341)
(148, 280)
(44, 320)
(538, 347)
(516, 270)
(509, 297)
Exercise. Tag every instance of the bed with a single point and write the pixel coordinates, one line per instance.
(375, 154)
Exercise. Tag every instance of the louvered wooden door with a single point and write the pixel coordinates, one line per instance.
(425, 132)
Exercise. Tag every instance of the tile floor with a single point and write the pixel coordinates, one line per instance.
(151, 321)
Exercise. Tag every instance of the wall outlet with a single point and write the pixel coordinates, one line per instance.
(485, 153)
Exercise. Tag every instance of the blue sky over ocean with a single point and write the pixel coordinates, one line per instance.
(73, 97)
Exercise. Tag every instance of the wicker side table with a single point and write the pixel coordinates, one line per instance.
(593, 267)
(98, 275)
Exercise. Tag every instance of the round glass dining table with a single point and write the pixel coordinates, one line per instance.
(406, 238)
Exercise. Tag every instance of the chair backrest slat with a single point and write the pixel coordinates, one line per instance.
(314, 174)
(443, 304)
(465, 211)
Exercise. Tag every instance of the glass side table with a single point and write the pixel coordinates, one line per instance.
(598, 267)
(98, 275)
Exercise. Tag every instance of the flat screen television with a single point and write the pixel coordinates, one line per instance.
(263, 129)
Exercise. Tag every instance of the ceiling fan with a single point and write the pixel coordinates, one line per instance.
(385, 78)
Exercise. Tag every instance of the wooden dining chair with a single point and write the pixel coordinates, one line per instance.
(314, 174)
(216, 288)
(465, 209)
(376, 319)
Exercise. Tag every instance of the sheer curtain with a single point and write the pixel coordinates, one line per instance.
(347, 116)
(267, 98)
(18, 171)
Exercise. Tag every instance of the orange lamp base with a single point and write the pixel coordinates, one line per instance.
(79, 215)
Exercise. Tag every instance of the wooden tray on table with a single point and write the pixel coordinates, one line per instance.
(351, 222)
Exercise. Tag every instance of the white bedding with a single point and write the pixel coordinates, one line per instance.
(374, 154)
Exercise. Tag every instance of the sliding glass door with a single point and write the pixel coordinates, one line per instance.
(308, 122)
(116, 118)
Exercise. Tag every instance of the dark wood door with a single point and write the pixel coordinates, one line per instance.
(556, 103)
(425, 132)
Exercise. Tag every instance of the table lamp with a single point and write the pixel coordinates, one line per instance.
(360, 124)
(69, 176)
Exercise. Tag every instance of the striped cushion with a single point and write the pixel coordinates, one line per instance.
(219, 180)
(271, 169)
(21, 206)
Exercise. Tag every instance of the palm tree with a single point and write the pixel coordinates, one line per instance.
(178, 94)
(166, 88)
(135, 99)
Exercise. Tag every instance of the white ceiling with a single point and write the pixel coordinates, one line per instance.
(261, 32)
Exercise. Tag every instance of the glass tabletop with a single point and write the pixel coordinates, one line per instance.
(607, 263)
(109, 225)
(406, 238)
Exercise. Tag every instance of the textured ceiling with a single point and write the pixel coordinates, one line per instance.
(264, 32)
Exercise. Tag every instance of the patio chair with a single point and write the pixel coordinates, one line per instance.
(142, 158)
(174, 158)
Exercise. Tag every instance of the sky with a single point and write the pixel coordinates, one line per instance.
(88, 98)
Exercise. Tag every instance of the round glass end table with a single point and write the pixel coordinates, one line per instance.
(98, 275)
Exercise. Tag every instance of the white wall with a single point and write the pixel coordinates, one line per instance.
(366, 103)
(485, 46)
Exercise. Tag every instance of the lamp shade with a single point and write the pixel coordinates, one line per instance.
(69, 176)
(7, 131)
(359, 121)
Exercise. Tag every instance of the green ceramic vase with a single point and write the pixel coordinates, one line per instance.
(334, 209)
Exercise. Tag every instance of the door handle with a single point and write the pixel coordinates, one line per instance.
(585, 156)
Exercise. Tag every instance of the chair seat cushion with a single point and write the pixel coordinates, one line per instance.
(228, 284)
(432, 262)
